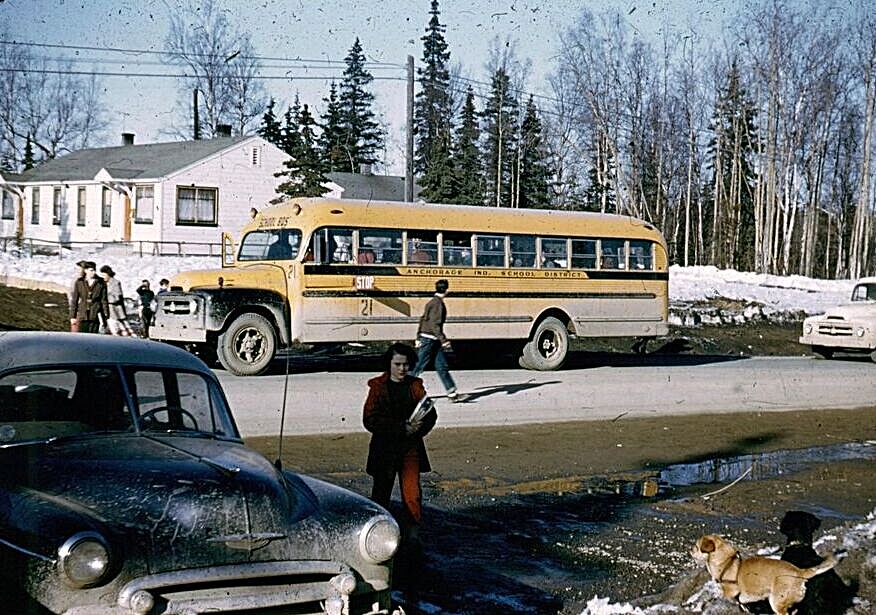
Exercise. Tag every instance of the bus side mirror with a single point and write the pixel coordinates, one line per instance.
(227, 250)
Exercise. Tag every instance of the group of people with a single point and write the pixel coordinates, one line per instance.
(97, 302)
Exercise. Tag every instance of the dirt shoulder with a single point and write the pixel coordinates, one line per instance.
(474, 462)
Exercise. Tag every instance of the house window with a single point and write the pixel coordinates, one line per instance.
(35, 206)
(80, 207)
(196, 206)
(144, 204)
(106, 210)
(8, 208)
(256, 157)
(56, 207)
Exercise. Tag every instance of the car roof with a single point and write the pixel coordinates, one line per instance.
(33, 348)
(871, 280)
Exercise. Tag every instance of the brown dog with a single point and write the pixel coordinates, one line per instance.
(755, 578)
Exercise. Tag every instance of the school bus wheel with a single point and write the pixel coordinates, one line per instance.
(548, 347)
(248, 345)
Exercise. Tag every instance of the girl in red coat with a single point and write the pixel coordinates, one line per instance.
(396, 446)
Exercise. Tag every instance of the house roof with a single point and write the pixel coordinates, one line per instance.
(147, 161)
(372, 187)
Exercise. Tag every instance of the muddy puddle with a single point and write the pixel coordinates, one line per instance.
(548, 548)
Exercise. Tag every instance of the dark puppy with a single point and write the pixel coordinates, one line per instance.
(826, 594)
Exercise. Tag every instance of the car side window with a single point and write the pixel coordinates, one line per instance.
(178, 401)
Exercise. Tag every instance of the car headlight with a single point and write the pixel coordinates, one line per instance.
(859, 331)
(807, 328)
(378, 540)
(84, 559)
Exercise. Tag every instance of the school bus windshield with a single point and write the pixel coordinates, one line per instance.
(270, 245)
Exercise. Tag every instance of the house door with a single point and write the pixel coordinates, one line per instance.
(128, 215)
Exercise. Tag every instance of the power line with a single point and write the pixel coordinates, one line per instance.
(197, 55)
(87, 73)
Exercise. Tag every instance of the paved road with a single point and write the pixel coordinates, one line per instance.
(321, 402)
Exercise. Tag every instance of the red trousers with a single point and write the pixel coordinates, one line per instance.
(409, 483)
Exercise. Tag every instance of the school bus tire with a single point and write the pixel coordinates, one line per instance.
(247, 346)
(548, 347)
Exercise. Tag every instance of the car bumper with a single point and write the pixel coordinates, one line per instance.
(307, 586)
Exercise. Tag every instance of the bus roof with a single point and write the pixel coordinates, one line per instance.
(310, 213)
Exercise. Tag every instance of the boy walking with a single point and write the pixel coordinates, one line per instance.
(431, 341)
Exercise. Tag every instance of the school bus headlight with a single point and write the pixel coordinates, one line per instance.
(859, 331)
(807, 328)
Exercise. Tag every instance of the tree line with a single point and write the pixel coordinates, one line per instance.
(751, 152)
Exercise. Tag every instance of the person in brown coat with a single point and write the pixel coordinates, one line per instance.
(431, 341)
(397, 446)
(88, 302)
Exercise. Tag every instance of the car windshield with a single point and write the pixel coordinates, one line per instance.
(41, 404)
(864, 292)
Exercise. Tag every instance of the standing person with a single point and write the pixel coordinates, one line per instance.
(147, 296)
(431, 341)
(163, 286)
(117, 321)
(80, 267)
(88, 303)
(396, 446)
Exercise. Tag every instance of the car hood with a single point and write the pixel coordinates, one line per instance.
(182, 501)
(851, 311)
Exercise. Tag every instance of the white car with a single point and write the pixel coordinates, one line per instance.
(850, 327)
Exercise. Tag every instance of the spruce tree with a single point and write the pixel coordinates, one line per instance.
(330, 141)
(730, 155)
(533, 161)
(303, 169)
(312, 179)
(290, 137)
(361, 136)
(500, 138)
(433, 111)
(270, 129)
(28, 161)
(467, 155)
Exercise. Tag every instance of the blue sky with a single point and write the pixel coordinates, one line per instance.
(323, 30)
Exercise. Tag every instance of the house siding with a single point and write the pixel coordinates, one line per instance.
(240, 185)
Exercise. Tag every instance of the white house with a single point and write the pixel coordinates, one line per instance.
(159, 195)
(182, 192)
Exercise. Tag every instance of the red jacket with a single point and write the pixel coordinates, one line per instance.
(389, 440)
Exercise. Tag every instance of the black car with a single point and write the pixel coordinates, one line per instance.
(125, 488)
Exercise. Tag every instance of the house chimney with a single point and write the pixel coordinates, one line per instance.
(223, 130)
(127, 138)
(365, 169)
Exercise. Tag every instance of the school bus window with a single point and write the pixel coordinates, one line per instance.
(490, 251)
(641, 255)
(583, 254)
(456, 248)
(522, 251)
(386, 245)
(553, 253)
(422, 248)
(340, 245)
(613, 254)
(277, 244)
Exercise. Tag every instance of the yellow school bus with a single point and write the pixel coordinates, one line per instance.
(330, 271)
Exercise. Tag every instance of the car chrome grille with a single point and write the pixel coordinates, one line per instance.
(834, 328)
(177, 306)
(294, 588)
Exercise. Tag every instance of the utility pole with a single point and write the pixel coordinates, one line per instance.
(197, 120)
(409, 145)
